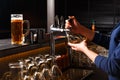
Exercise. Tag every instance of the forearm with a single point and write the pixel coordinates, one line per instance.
(92, 55)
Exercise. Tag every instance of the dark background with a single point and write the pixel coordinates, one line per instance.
(105, 13)
(32, 10)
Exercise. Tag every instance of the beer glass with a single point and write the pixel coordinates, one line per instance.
(74, 38)
(17, 35)
(16, 70)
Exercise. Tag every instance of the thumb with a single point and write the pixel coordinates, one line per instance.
(71, 44)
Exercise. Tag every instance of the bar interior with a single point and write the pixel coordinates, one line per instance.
(44, 53)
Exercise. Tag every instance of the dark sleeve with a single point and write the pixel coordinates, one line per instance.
(109, 65)
(102, 40)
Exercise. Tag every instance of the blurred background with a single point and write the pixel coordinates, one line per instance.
(104, 13)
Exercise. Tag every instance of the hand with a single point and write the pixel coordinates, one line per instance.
(82, 46)
(73, 25)
(76, 28)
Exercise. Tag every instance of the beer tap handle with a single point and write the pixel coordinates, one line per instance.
(62, 22)
(57, 22)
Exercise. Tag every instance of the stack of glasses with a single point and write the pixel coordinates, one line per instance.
(34, 68)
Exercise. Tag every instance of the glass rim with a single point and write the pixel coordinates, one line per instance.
(16, 16)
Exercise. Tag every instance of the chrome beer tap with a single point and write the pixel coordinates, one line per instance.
(58, 27)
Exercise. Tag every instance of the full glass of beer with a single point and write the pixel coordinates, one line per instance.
(17, 35)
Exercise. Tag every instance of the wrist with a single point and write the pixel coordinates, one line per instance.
(85, 50)
(92, 55)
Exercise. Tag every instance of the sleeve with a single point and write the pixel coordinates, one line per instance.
(102, 40)
(109, 65)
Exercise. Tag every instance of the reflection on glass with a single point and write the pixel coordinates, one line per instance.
(56, 72)
(38, 76)
(46, 73)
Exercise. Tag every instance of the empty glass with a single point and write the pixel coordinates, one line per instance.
(56, 72)
(16, 70)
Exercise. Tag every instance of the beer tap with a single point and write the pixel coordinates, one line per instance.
(59, 25)
(56, 28)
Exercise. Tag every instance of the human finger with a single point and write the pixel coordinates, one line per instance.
(70, 44)
(67, 24)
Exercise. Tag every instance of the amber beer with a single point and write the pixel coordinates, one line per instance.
(17, 36)
(17, 31)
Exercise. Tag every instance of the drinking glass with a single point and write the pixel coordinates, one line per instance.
(16, 70)
(17, 35)
(74, 38)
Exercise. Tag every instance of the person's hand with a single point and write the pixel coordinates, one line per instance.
(73, 24)
(82, 46)
(77, 28)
